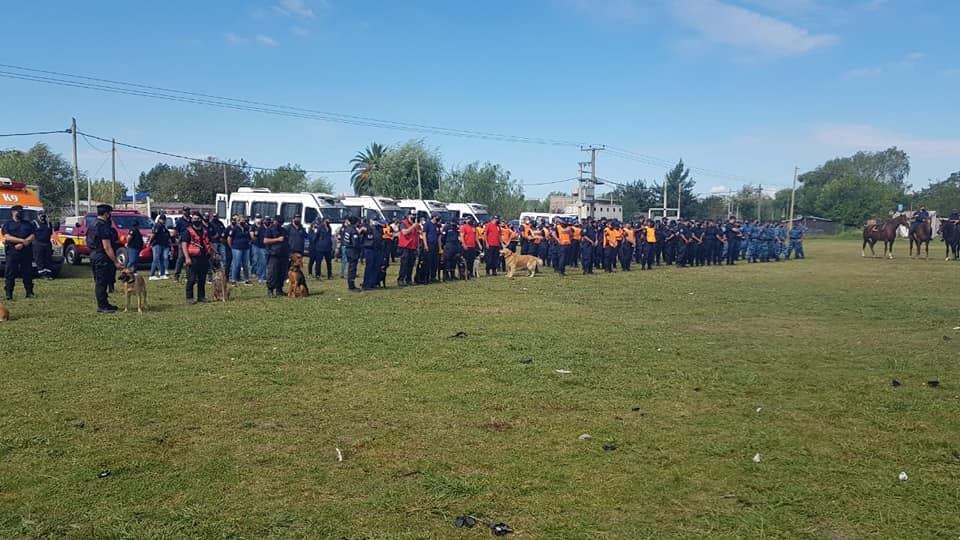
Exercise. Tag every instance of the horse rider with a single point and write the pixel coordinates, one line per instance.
(920, 217)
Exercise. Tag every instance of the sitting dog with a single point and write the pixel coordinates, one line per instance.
(296, 279)
(514, 261)
(4, 313)
(461, 268)
(221, 287)
(133, 284)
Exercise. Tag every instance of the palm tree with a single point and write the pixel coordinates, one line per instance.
(364, 163)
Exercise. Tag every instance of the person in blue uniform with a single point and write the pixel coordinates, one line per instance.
(711, 243)
(103, 242)
(431, 234)
(746, 232)
(753, 253)
(18, 235)
(588, 245)
(197, 249)
(452, 251)
(351, 242)
(733, 234)
(278, 257)
(796, 242)
(321, 248)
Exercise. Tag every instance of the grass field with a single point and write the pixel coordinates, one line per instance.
(222, 421)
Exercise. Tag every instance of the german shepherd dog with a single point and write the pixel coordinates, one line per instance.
(221, 288)
(298, 283)
(4, 313)
(133, 284)
(528, 262)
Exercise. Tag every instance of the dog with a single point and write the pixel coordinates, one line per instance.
(514, 261)
(382, 275)
(461, 268)
(221, 287)
(4, 313)
(296, 279)
(477, 263)
(133, 283)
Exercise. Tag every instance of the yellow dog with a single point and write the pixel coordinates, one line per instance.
(514, 261)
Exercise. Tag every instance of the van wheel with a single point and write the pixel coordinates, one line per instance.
(70, 255)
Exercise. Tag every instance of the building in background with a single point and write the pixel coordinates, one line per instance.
(572, 204)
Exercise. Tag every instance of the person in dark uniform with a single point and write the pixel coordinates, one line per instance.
(43, 247)
(684, 246)
(450, 235)
(733, 234)
(350, 240)
(588, 243)
(18, 235)
(278, 256)
(321, 248)
(297, 237)
(710, 242)
(431, 234)
(103, 257)
(217, 233)
(371, 237)
(196, 248)
(133, 247)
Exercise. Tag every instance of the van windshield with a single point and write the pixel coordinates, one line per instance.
(130, 222)
(340, 214)
(483, 218)
(391, 215)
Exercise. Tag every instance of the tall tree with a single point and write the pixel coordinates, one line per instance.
(196, 182)
(287, 178)
(635, 197)
(396, 176)
(362, 166)
(942, 196)
(104, 191)
(677, 180)
(486, 184)
(851, 200)
(50, 172)
(890, 167)
(320, 184)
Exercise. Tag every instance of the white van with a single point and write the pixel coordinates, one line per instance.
(478, 212)
(309, 206)
(543, 216)
(382, 208)
(424, 208)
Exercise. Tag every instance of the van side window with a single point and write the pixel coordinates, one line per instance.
(222, 209)
(265, 209)
(371, 214)
(311, 215)
(290, 210)
(238, 208)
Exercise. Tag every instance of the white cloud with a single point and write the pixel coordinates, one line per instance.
(234, 39)
(853, 137)
(295, 8)
(266, 40)
(719, 189)
(727, 25)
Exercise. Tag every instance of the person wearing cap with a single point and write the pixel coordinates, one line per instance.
(564, 238)
(371, 237)
(431, 246)
(278, 257)
(238, 240)
(408, 243)
(351, 243)
(217, 233)
(181, 225)
(321, 248)
(196, 248)
(628, 246)
(450, 236)
(160, 247)
(257, 248)
(18, 235)
(612, 237)
(588, 244)
(104, 241)
(43, 247)
(491, 245)
(470, 242)
(732, 232)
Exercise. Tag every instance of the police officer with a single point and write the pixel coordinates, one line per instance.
(350, 239)
(181, 225)
(43, 247)
(450, 236)
(431, 236)
(588, 244)
(104, 242)
(371, 236)
(746, 232)
(18, 235)
(796, 242)
(711, 243)
(733, 234)
(278, 256)
(297, 237)
(196, 248)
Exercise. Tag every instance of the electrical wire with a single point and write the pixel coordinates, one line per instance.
(32, 133)
(92, 145)
(548, 183)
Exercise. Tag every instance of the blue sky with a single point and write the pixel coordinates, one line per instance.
(742, 90)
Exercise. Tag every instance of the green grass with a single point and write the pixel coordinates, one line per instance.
(221, 421)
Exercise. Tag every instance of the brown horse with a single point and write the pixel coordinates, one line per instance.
(886, 233)
(920, 235)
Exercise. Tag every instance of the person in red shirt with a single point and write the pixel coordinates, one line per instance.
(409, 241)
(491, 241)
(470, 243)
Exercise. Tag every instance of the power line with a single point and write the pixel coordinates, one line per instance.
(32, 133)
(92, 145)
(210, 161)
(548, 183)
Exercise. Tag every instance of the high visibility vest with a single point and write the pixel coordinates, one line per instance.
(506, 235)
(612, 237)
(527, 231)
(387, 233)
(577, 233)
(563, 235)
(631, 237)
(537, 236)
(651, 235)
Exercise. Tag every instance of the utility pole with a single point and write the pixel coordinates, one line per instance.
(113, 170)
(76, 170)
(679, 193)
(225, 190)
(592, 181)
(419, 182)
(759, 199)
(793, 196)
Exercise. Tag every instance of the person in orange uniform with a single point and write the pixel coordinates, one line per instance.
(526, 237)
(575, 244)
(612, 237)
(508, 239)
(564, 242)
(470, 243)
(491, 243)
(628, 246)
(649, 245)
(539, 238)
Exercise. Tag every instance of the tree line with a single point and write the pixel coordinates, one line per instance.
(848, 190)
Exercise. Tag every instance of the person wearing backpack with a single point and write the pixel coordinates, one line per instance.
(196, 248)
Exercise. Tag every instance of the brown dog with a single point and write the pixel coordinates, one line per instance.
(514, 261)
(4, 313)
(221, 288)
(298, 283)
(133, 284)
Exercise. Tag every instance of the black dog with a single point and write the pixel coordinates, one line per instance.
(461, 268)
